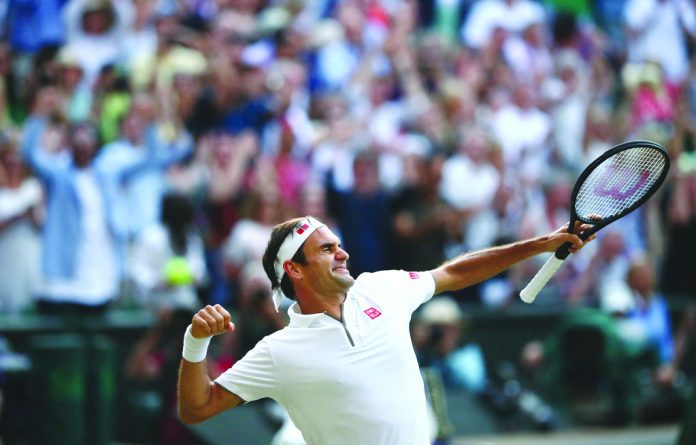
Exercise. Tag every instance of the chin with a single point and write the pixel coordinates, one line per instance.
(347, 279)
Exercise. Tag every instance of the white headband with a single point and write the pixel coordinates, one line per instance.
(289, 248)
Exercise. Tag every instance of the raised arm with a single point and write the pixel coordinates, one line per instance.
(200, 398)
(43, 163)
(474, 267)
(167, 154)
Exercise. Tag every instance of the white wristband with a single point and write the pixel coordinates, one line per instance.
(195, 349)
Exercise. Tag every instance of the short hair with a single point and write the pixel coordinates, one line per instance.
(278, 235)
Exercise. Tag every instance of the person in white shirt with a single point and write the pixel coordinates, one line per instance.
(344, 368)
(658, 32)
(513, 16)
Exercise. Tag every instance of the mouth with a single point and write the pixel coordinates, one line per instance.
(340, 269)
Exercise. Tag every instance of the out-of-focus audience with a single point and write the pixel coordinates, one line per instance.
(167, 261)
(21, 204)
(616, 363)
(157, 142)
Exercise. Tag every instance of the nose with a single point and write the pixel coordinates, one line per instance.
(342, 254)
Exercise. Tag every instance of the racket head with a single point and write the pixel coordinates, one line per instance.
(618, 182)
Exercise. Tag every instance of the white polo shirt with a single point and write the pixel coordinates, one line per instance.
(351, 382)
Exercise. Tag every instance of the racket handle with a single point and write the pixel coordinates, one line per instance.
(529, 293)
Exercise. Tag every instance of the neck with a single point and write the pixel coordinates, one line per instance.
(13, 181)
(312, 303)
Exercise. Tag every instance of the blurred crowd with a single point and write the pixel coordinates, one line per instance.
(149, 146)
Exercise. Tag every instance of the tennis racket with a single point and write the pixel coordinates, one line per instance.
(611, 187)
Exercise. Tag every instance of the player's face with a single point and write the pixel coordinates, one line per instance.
(327, 262)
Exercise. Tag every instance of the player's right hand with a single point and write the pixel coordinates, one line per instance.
(211, 320)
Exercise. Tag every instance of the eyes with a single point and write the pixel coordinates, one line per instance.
(330, 248)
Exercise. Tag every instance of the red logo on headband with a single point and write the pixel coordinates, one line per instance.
(302, 228)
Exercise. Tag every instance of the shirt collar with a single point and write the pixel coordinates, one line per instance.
(300, 320)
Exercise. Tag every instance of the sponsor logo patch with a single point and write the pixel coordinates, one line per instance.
(414, 275)
(372, 313)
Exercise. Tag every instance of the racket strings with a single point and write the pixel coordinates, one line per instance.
(619, 182)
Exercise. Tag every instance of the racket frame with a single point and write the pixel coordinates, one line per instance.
(563, 251)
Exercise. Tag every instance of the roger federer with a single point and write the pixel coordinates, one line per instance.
(344, 368)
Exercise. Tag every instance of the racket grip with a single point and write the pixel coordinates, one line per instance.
(529, 293)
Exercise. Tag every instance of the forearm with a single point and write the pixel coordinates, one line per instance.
(194, 391)
(31, 149)
(199, 398)
(475, 267)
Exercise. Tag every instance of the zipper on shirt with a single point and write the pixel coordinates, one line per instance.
(345, 328)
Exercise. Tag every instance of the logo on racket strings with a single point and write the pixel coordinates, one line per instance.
(606, 186)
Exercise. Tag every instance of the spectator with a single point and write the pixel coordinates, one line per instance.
(80, 268)
(94, 33)
(652, 99)
(658, 31)
(569, 113)
(362, 215)
(511, 16)
(21, 200)
(587, 369)
(471, 164)
(528, 53)
(551, 206)
(111, 96)
(167, 261)
(338, 60)
(217, 176)
(421, 221)
(137, 193)
(604, 273)
(649, 320)
(646, 327)
(10, 105)
(523, 129)
(602, 355)
(33, 24)
(438, 333)
(597, 137)
(249, 236)
(342, 134)
(140, 42)
(679, 216)
(77, 97)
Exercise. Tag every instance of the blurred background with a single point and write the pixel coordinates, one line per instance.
(147, 147)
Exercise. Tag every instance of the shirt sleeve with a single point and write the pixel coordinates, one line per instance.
(252, 377)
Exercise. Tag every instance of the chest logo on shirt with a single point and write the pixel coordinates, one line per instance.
(372, 313)
(414, 275)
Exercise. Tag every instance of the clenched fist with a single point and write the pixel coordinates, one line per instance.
(211, 320)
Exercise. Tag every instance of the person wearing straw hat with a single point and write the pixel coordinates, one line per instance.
(344, 368)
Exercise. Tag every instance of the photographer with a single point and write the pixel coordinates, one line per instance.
(437, 333)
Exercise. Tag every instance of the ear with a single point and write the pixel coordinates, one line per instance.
(292, 270)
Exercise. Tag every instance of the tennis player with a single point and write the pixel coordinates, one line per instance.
(344, 368)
